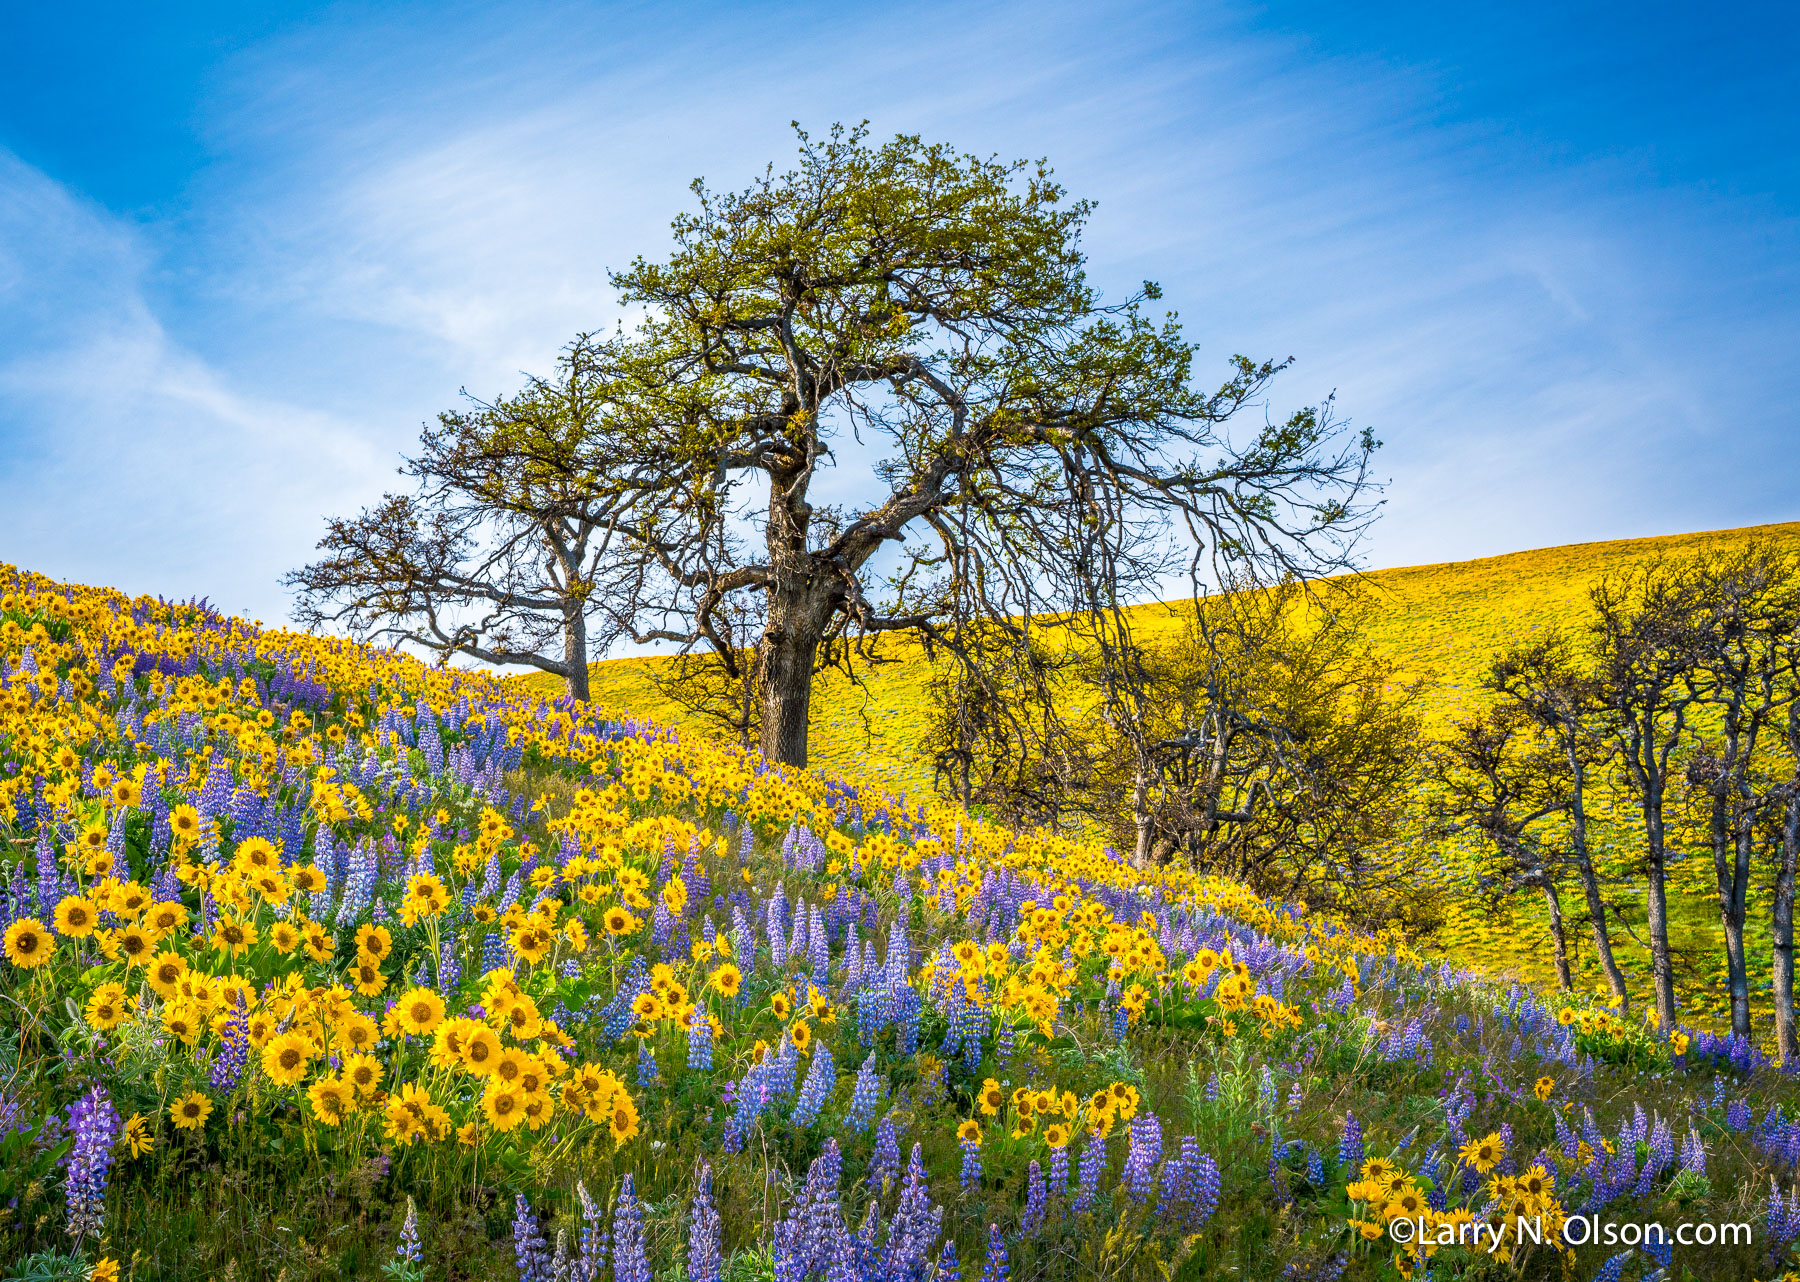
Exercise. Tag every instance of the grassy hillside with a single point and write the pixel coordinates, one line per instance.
(1440, 625)
(321, 964)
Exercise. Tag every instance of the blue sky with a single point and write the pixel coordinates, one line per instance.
(1548, 252)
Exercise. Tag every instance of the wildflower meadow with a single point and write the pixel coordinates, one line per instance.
(322, 963)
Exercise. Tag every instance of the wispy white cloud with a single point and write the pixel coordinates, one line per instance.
(398, 210)
(129, 460)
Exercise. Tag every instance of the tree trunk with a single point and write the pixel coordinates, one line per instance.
(1731, 877)
(785, 658)
(1781, 915)
(1558, 939)
(1590, 882)
(1662, 965)
(1140, 816)
(575, 652)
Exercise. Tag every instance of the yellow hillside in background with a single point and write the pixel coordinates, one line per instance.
(1440, 625)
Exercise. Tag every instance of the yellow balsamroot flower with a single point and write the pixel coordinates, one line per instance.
(362, 1074)
(184, 823)
(75, 917)
(1056, 1135)
(727, 980)
(165, 917)
(1407, 1204)
(509, 1065)
(368, 977)
(619, 922)
(136, 1137)
(106, 1006)
(521, 1019)
(480, 1050)
(1678, 1043)
(28, 944)
(285, 1058)
(801, 1033)
(446, 1047)
(1544, 1088)
(373, 943)
(356, 1030)
(135, 944)
(969, 1132)
(106, 1269)
(261, 1027)
(1378, 1171)
(318, 942)
(622, 1118)
(503, 1105)
(419, 1011)
(539, 1109)
(330, 1100)
(1483, 1153)
(1537, 1182)
(428, 892)
(182, 1020)
(532, 942)
(271, 885)
(1125, 1100)
(284, 937)
(534, 1077)
(256, 853)
(190, 1111)
(233, 936)
(92, 841)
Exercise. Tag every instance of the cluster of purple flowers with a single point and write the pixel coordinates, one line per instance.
(95, 1125)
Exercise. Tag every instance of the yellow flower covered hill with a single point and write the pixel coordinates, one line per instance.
(320, 963)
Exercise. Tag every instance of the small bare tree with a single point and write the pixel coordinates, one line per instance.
(1493, 776)
(1544, 680)
(500, 551)
(1748, 619)
(1646, 636)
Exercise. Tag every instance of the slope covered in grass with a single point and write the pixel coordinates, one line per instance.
(1439, 624)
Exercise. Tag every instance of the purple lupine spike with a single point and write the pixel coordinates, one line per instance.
(590, 1257)
(914, 1233)
(1037, 1201)
(813, 1095)
(1143, 1152)
(864, 1097)
(1693, 1153)
(1093, 1166)
(704, 1259)
(234, 1051)
(529, 1249)
(970, 1176)
(700, 1044)
(1350, 1145)
(1204, 1192)
(1059, 1171)
(631, 1262)
(996, 1269)
(409, 1251)
(95, 1125)
(884, 1163)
